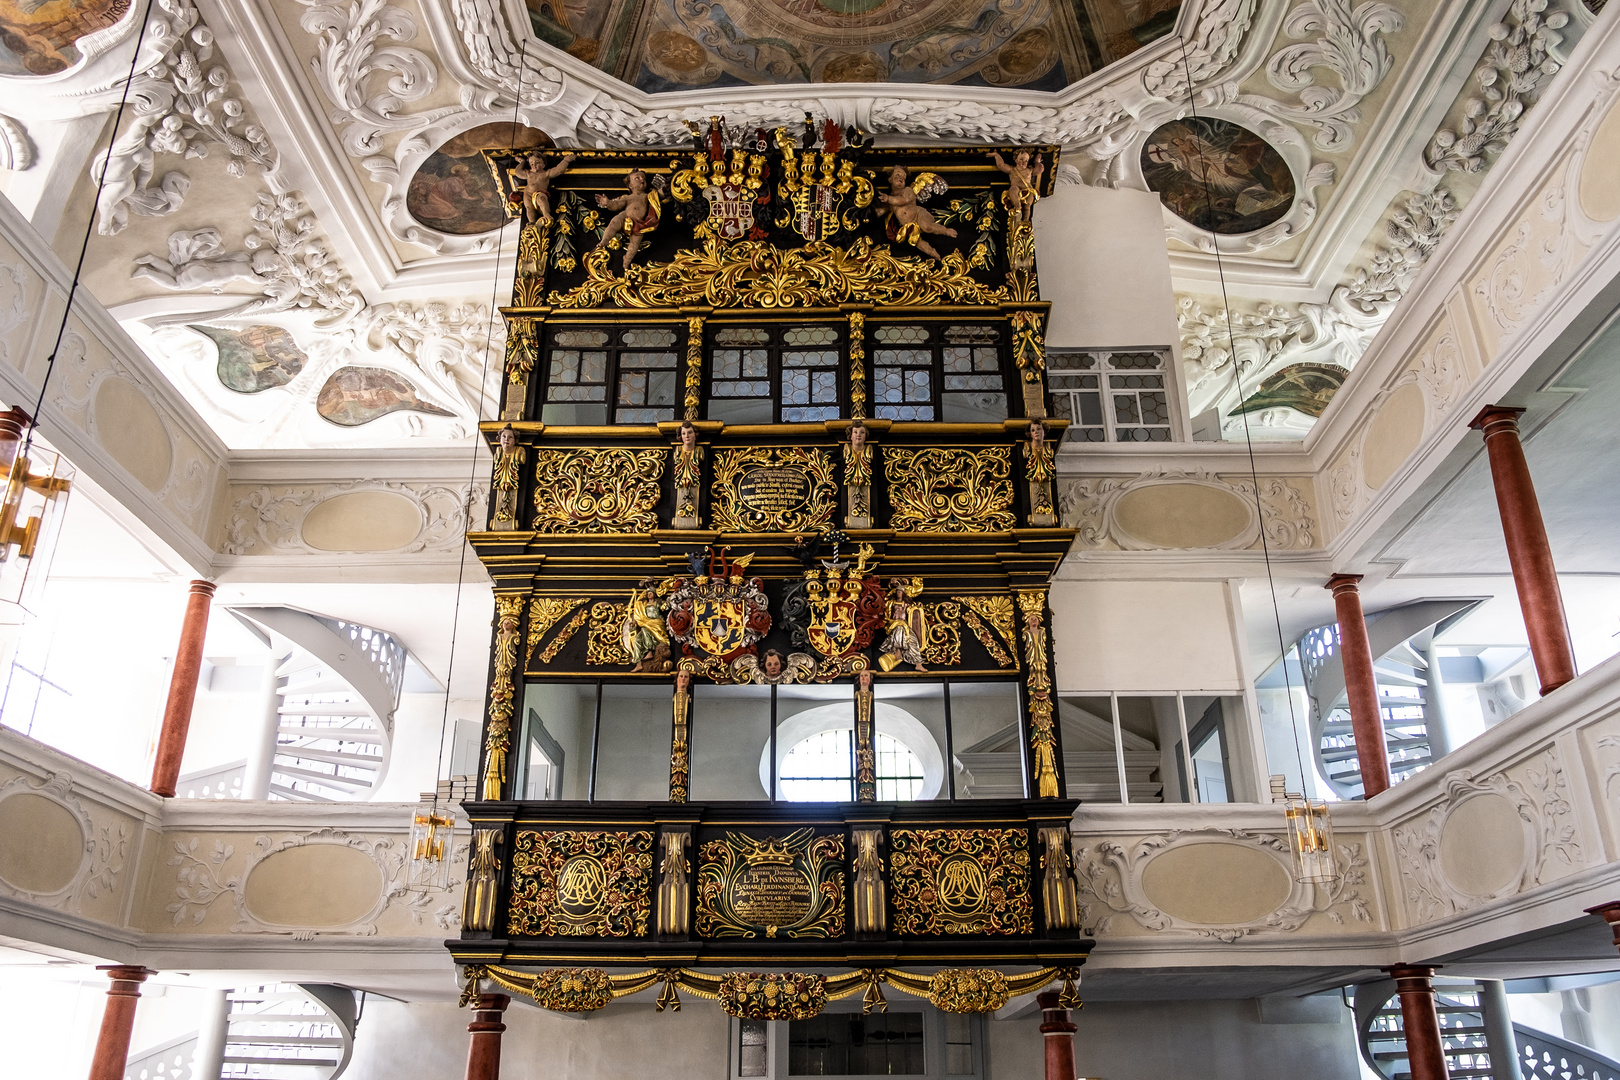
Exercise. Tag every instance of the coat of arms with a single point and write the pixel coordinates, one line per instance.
(836, 611)
(821, 191)
(717, 614)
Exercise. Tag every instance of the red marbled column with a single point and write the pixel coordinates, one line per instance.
(112, 1045)
(1058, 1031)
(188, 656)
(1534, 576)
(484, 1052)
(1425, 1053)
(1609, 913)
(1360, 684)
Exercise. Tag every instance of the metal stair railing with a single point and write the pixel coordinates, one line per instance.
(284, 1031)
(1545, 1056)
(172, 1060)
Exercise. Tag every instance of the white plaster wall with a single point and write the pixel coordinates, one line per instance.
(429, 1042)
(1143, 635)
(1105, 268)
(1168, 1040)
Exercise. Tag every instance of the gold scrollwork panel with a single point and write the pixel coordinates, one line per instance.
(949, 489)
(568, 883)
(611, 490)
(960, 881)
(773, 489)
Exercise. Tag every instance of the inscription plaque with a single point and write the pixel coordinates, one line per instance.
(772, 895)
(774, 491)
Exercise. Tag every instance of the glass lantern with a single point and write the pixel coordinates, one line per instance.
(1310, 835)
(432, 849)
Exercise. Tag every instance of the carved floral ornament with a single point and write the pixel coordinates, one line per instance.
(1092, 504)
(100, 857)
(1110, 875)
(203, 875)
(1531, 811)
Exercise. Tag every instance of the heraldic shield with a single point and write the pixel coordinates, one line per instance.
(837, 611)
(719, 615)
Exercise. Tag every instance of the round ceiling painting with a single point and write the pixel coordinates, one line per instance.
(453, 190)
(1217, 175)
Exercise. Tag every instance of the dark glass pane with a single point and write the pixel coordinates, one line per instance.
(1090, 409)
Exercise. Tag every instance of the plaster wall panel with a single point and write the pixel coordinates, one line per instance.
(429, 1042)
(1143, 635)
(1105, 268)
(1214, 1040)
(1599, 194)
(1393, 434)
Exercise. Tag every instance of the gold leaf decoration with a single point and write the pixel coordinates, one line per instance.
(757, 274)
(752, 995)
(960, 881)
(944, 645)
(572, 990)
(997, 612)
(597, 490)
(945, 489)
(544, 613)
(790, 886)
(581, 884)
(773, 489)
(968, 990)
(606, 645)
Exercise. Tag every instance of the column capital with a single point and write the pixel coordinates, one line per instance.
(1493, 418)
(1408, 972)
(1609, 913)
(126, 972)
(1343, 582)
(200, 587)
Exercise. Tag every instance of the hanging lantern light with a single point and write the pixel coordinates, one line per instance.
(1310, 835)
(432, 834)
(36, 480)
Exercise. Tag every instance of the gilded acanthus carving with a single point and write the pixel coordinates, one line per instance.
(498, 734)
(960, 881)
(754, 273)
(568, 883)
(610, 490)
(944, 489)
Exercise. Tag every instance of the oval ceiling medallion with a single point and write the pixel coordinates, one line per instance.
(1217, 175)
(453, 191)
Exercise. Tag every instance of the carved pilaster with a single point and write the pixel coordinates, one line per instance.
(871, 903)
(498, 734)
(1038, 683)
(688, 477)
(522, 353)
(865, 759)
(675, 888)
(691, 401)
(857, 365)
(478, 903)
(680, 760)
(1039, 471)
(1029, 353)
(1057, 882)
(858, 455)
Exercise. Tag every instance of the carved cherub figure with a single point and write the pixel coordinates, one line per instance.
(637, 214)
(773, 668)
(908, 220)
(537, 185)
(1023, 181)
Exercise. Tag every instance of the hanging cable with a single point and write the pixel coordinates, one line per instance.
(1248, 437)
(472, 476)
(89, 228)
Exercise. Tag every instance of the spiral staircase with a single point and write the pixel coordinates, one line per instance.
(1467, 1038)
(277, 1031)
(1401, 638)
(338, 684)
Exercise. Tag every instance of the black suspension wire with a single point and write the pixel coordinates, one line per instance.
(89, 228)
(1248, 437)
(472, 475)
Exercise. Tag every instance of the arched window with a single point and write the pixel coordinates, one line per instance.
(821, 768)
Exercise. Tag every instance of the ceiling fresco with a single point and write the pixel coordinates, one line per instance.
(669, 45)
(38, 38)
(453, 191)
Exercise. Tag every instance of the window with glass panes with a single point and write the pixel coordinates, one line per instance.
(760, 375)
(857, 1044)
(1111, 396)
(628, 375)
(948, 372)
(821, 768)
